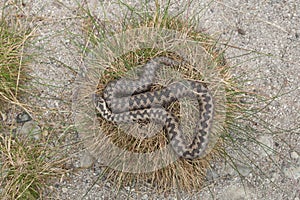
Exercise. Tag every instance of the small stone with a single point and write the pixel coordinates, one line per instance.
(45, 133)
(239, 169)
(244, 170)
(107, 184)
(127, 188)
(275, 177)
(64, 190)
(266, 145)
(23, 117)
(294, 155)
(241, 31)
(145, 197)
(292, 172)
(86, 160)
(68, 166)
(31, 129)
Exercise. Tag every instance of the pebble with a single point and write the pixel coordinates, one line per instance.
(145, 197)
(244, 170)
(64, 190)
(86, 160)
(292, 172)
(45, 133)
(108, 185)
(294, 155)
(23, 117)
(275, 176)
(31, 129)
(265, 145)
(240, 169)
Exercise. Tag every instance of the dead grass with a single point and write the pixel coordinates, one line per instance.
(26, 167)
(26, 164)
(186, 175)
(13, 60)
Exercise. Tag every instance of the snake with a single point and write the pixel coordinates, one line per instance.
(130, 100)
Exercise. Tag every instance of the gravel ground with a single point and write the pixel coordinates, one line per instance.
(271, 27)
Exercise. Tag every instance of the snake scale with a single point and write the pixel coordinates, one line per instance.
(127, 100)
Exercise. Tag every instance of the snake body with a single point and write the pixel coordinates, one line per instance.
(126, 101)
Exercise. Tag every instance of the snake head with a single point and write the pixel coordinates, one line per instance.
(99, 102)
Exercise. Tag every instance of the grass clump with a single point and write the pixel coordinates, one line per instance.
(186, 175)
(13, 60)
(26, 166)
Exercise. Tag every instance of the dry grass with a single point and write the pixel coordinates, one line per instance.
(26, 163)
(12, 65)
(186, 175)
(26, 167)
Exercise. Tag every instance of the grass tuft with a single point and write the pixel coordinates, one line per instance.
(182, 175)
(26, 166)
(13, 61)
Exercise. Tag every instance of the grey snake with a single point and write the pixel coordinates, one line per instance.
(127, 100)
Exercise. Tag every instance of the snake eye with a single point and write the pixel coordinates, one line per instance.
(101, 100)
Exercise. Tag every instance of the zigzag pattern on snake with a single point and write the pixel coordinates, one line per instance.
(126, 100)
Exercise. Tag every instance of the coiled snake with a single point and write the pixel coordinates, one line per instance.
(126, 100)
